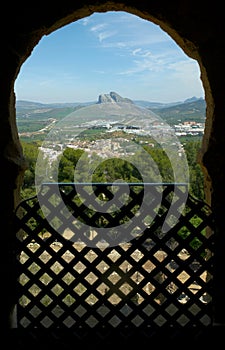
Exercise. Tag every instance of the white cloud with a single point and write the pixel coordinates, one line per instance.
(98, 27)
(85, 21)
(113, 51)
(105, 35)
(136, 51)
(131, 31)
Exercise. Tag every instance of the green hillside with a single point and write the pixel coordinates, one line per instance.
(187, 111)
(34, 116)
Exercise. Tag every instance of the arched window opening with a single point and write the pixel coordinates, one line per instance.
(103, 53)
(111, 126)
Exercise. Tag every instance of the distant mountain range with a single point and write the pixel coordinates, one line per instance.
(189, 109)
(193, 109)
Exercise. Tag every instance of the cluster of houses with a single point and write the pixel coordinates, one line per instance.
(189, 128)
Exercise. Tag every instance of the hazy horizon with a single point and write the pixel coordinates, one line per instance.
(95, 101)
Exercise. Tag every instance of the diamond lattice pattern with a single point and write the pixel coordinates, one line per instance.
(71, 276)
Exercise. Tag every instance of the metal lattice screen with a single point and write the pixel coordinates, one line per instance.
(78, 269)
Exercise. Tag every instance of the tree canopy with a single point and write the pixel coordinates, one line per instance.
(112, 169)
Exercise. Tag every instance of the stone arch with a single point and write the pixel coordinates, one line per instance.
(188, 47)
(185, 22)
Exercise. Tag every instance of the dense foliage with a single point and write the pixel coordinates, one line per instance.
(114, 168)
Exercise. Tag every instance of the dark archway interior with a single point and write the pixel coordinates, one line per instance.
(197, 29)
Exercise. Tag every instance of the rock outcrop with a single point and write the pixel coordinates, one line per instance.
(113, 97)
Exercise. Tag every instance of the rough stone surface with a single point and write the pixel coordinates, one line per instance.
(198, 28)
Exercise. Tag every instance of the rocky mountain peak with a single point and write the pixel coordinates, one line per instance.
(113, 97)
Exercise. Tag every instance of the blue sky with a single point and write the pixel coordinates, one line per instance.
(112, 51)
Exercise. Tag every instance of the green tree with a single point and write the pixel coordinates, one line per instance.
(30, 151)
(115, 168)
(67, 165)
(192, 149)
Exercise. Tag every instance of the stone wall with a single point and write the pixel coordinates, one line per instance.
(198, 28)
